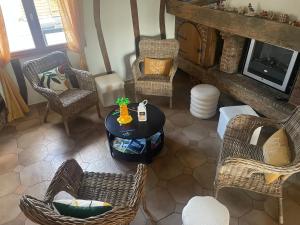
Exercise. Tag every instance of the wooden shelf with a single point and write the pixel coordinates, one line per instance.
(262, 98)
(267, 31)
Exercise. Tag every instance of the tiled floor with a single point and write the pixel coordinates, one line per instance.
(30, 152)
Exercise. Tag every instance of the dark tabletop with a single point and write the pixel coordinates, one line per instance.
(136, 130)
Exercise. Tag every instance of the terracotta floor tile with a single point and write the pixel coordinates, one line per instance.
(9, 208)
(173, 219)
(237, 202)
(160, 203)
(9, 183)
(8, 162)
(167, 167)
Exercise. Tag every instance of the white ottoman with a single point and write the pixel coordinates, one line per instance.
(204, 101)
(227, 113)
(109, 88)
(205, 210)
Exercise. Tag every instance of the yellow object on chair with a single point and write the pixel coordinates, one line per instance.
(277, 153)
(157, 66)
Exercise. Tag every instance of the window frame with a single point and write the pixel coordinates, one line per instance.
(36, 33)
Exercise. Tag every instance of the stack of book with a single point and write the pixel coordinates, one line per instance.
(135, 146)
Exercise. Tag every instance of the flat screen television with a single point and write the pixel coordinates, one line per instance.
(269, 64)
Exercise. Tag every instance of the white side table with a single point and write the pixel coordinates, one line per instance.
(205, 210)
(109, 88)
(227, 113)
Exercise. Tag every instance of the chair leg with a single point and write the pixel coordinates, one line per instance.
(171, 102)
(46, 113)
(67, 127)
(216, 193)
(98, 111)
(280, 210)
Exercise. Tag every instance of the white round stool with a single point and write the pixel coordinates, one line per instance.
(204, 101)
(205, 210)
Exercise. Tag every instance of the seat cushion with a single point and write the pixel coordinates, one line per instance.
(276, 152)
(72, 96)
(157, 66)
(81, 208)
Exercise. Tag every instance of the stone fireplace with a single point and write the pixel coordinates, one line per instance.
(234, 30)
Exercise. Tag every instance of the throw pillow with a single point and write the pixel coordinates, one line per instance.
(157, 66)
(55, 79)
(81, 208)
(277, 153)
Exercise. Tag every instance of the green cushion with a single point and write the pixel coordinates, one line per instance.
(81, 208)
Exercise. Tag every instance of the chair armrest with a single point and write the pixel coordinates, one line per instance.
(242, 127)
(49, 94)
(138, 188)
(85, 79)
(67, 178)
(261, 167)
(136, 68)
(173, 69)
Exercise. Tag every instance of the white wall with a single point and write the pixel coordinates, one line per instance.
(291, 7)
(118, 32)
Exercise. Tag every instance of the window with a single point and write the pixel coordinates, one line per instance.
(32, 25)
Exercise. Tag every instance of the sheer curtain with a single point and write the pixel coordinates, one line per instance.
(72, 20)
(13, 100)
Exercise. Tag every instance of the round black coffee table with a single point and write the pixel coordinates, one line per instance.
(136, 141)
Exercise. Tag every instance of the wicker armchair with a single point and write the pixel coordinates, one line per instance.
(241, 165)
(156, 85)
(71, 102)
(124, 192)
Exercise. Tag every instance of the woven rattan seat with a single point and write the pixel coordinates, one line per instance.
(241, 164)
(124, 192)
(71, 102)
(158, 85)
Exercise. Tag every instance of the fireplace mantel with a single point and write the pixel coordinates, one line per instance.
(263, 30)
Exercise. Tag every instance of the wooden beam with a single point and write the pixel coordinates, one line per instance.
(267, 31)
(135, 23)
(97, 20)
(162, 23)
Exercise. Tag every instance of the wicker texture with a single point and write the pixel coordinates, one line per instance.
(70, 102)
(124, 192)
(152, 85)
(241, 165)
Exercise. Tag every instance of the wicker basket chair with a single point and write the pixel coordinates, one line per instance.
(70, 102)
(241, 164)
(156, 85)
(124, 192)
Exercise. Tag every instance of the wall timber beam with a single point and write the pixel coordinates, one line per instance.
(135, 23)
(267, 31)
(162, 23)
(97, 20)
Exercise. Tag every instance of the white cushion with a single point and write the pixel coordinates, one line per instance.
(109, 88)
(205, 211)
